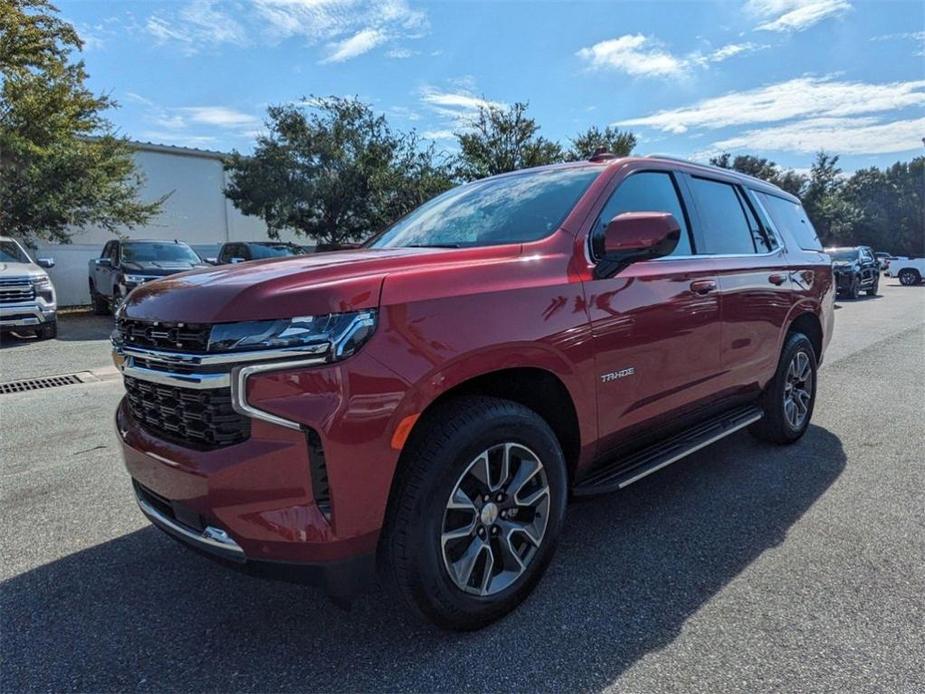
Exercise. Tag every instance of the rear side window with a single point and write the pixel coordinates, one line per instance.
(727, 229)
(790, 217)
(647, 191)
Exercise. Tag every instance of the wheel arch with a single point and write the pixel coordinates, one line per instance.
(808, 323)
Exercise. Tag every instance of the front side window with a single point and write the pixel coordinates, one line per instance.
(726, 227)
(12, 252)
(515, 208)
(153, 251)
(647, 191)
(791, 216)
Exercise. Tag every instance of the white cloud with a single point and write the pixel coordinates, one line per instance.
(633, 54)
(358, 44)
(348, 27)
(643, 56)
(803, 97)
(220, 116)
(400, 53)
(438, 135)
(794, 15)
(173, 138)
(197, 24)
(842, 135)
(459, 105)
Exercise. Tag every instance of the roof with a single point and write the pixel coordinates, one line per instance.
(180, 151)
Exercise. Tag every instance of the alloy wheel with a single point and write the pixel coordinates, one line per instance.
(495, 519)
(798, 390)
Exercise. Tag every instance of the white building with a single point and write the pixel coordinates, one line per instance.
(196, 212)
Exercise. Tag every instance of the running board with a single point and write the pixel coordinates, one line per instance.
(622, 472)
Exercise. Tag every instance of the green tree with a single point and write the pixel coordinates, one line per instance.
(765, 169)
(611, 139)
(61, 167)
(832, 213)
(891, 203)
(332, 170)
(499, 140)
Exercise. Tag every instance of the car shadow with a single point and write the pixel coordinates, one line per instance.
(140, 612)
(79, 327)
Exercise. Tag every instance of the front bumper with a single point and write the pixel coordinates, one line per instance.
(843, 281)
(255, 504)
(28, 314)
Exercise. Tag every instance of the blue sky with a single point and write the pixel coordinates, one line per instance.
(779, 78)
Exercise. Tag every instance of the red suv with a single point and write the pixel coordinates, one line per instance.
(422, 408)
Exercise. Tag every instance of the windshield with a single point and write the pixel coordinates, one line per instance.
(11, 252)
(260, 250)
(149, 252)
(509, 209)
(843, 254)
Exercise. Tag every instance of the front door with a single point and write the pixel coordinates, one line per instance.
(655, 325)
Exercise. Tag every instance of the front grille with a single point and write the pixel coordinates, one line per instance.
(14, 290)
(202, 419)
(170, 337)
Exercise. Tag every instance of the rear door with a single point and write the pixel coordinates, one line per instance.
(655, 325)
(102, 274)
(870, 269)
(755, 286)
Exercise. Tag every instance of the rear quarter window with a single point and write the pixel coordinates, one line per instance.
(790, 218)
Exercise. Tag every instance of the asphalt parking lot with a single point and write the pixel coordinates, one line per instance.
(745, 567)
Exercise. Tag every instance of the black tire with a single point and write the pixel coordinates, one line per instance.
(100, 305)
(909, 278)
(48, 331)
(437, 458)
(854, 291)
(775, 427)
(876, 286)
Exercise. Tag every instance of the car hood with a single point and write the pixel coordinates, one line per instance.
(20, 269)
(304, 285)
(842, 264)
(160, 267)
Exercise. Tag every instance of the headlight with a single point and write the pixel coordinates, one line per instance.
(340, 334)
(136, 279)
(44, 288)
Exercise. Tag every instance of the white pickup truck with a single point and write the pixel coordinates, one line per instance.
(910, 271)
(27, 297)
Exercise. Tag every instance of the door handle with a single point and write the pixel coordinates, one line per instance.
(777, 279)
(703, 286)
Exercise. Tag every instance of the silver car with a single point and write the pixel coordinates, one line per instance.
(27, 296)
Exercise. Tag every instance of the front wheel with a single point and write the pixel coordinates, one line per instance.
(873, 290)
(909, 278)
(789, 398)
(476, 515)
(855, 291)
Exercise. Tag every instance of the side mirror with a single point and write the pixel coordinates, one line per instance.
(46, 263)
(634, 236)
(104, 262)
(211, 261)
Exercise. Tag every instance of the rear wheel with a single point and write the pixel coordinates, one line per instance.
(476, 515)
(909, 277)
(789, 398)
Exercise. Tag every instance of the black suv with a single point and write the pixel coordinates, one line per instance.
(239, 251)
(123, 265)
(856, 270)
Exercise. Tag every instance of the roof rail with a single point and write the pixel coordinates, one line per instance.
(709, 166)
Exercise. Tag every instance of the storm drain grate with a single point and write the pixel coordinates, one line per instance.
(38, 383)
